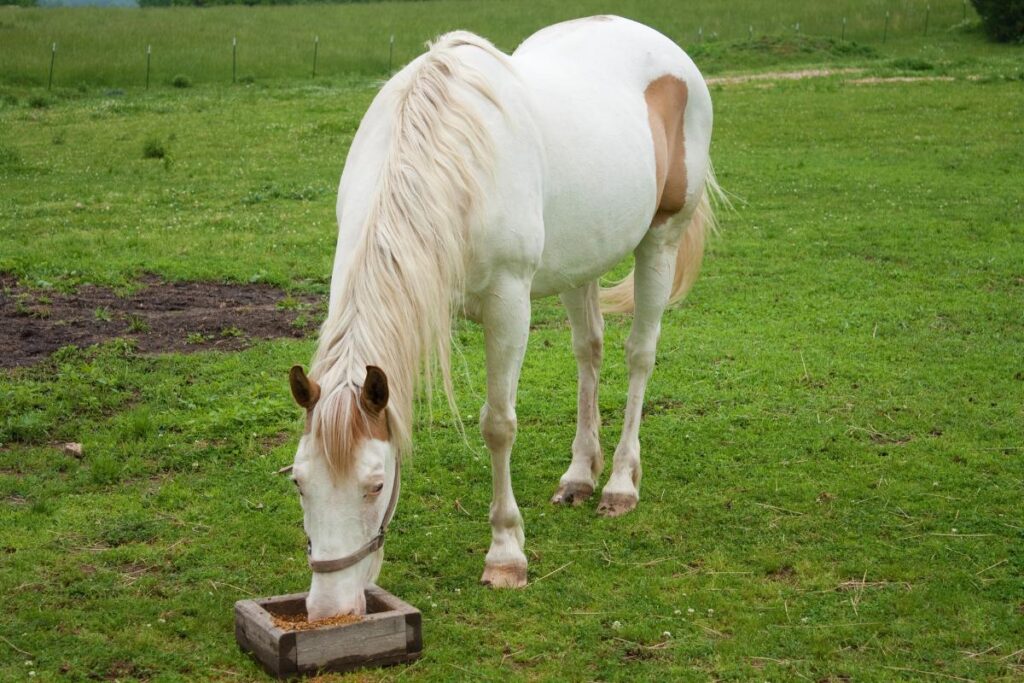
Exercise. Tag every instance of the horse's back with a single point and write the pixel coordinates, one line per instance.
(587, 81)
(614, 50)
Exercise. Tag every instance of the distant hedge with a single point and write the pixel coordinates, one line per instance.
(183, 3)
(1003, 19)
(212, 3)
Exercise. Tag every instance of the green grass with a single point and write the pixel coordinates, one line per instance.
(108, 46)
(832, 445)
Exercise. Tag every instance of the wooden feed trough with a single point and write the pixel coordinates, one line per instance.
(389, 633)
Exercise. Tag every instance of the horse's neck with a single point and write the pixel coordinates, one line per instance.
(400, 255)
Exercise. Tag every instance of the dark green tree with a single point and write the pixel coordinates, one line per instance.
(1003, 20)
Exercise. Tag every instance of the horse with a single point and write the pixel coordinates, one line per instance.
(476, 182)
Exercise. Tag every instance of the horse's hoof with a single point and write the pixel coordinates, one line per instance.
(573, 493)
(504, 576)
(616, 504)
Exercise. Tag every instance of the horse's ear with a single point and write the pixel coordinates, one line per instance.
(374, 396)
(305, 391)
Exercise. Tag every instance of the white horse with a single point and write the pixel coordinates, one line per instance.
(477, 181)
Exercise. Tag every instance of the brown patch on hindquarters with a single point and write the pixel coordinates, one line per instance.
(666, 104)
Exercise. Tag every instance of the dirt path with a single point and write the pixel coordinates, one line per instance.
(162, 316)
(822, 73)
(780, 76)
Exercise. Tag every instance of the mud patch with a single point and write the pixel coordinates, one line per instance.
(161, 316)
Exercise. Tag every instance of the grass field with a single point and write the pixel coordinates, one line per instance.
(107, 46)
(832, 446)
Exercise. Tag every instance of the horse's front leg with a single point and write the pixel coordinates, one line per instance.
(505, 314)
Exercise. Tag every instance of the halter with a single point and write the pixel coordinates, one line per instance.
(373, 545)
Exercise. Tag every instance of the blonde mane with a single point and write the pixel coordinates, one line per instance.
(396, 309)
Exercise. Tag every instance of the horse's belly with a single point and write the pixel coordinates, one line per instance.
(586, 81)
(580, 246)
(599, 188)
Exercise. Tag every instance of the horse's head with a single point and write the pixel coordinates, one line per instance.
(346, 473)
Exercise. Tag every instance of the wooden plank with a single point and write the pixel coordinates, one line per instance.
(256, 633)
(414, 632)
(391, 633)
(352, 644)
(379, 600)
(293, 603)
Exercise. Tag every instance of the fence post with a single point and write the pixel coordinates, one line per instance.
(844, 29)
(965, 10)
(750, 32)
(149, 51)
(927, 13)
(700, 34)
(391, 52)
(234, 58)
(885, 31)
(53, 56)
(316, 48)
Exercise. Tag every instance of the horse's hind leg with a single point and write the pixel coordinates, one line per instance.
(580, 480)
(655, 266)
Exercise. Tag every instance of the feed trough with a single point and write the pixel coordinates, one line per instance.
(274, 631)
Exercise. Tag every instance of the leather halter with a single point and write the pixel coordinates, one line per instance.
(373, 545)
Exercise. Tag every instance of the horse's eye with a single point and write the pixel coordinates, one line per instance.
(296, 482)
(377, 489)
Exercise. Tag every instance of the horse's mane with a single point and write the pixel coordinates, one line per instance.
(396, 308)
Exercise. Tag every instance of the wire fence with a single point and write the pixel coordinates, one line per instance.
(379, 53)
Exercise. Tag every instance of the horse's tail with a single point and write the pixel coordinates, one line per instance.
(619, 297)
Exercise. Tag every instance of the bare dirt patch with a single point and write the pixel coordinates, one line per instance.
(160, 316)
